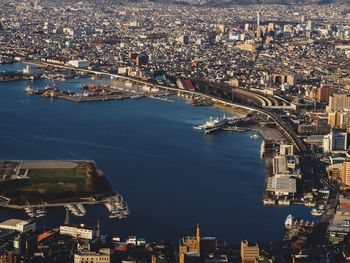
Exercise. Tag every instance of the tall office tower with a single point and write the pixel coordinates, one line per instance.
(310, 25)
(338, 102)
(324, 92)
(189, 247)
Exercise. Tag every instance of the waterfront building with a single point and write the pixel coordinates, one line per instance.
(79, 63)
(281, 186)
(92, 257)
(133, 240)
(335, 172)
(286, 166)
(80, 231)
(250, 252)
(21, 226)
(338, 228)
(33, 71)
(185, 84)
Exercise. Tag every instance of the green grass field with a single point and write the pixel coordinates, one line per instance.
(55, 180)
(56, 185)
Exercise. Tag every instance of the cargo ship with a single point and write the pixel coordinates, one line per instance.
(216, 124)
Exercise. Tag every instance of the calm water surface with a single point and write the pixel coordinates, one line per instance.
(171, 175)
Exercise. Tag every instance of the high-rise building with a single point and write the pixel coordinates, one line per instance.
(345, 173)
(249, 252)
(310, 25)
(208, 246)
(339, 119)
(338, 102)
(259, 33)
(189, 245)
(324, 92)
(336, 141)
(8, 257)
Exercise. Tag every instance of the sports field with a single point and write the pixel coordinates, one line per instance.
(55, 181)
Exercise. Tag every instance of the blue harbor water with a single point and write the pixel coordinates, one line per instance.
(171, 175)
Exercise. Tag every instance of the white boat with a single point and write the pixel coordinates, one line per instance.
(284, 202)
(316, 212)
(217, 123)
(262, 149)
(255, 136)
(269, 202)
(310, 204)
(110, 206)
(81, 209)
(74, 209)
(117, 207)
(136, 97)
(40, 212)
(288, 223)
(126, 210)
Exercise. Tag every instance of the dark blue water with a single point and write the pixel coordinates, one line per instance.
(171, 175)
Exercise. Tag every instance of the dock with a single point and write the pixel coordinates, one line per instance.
(160, 98)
